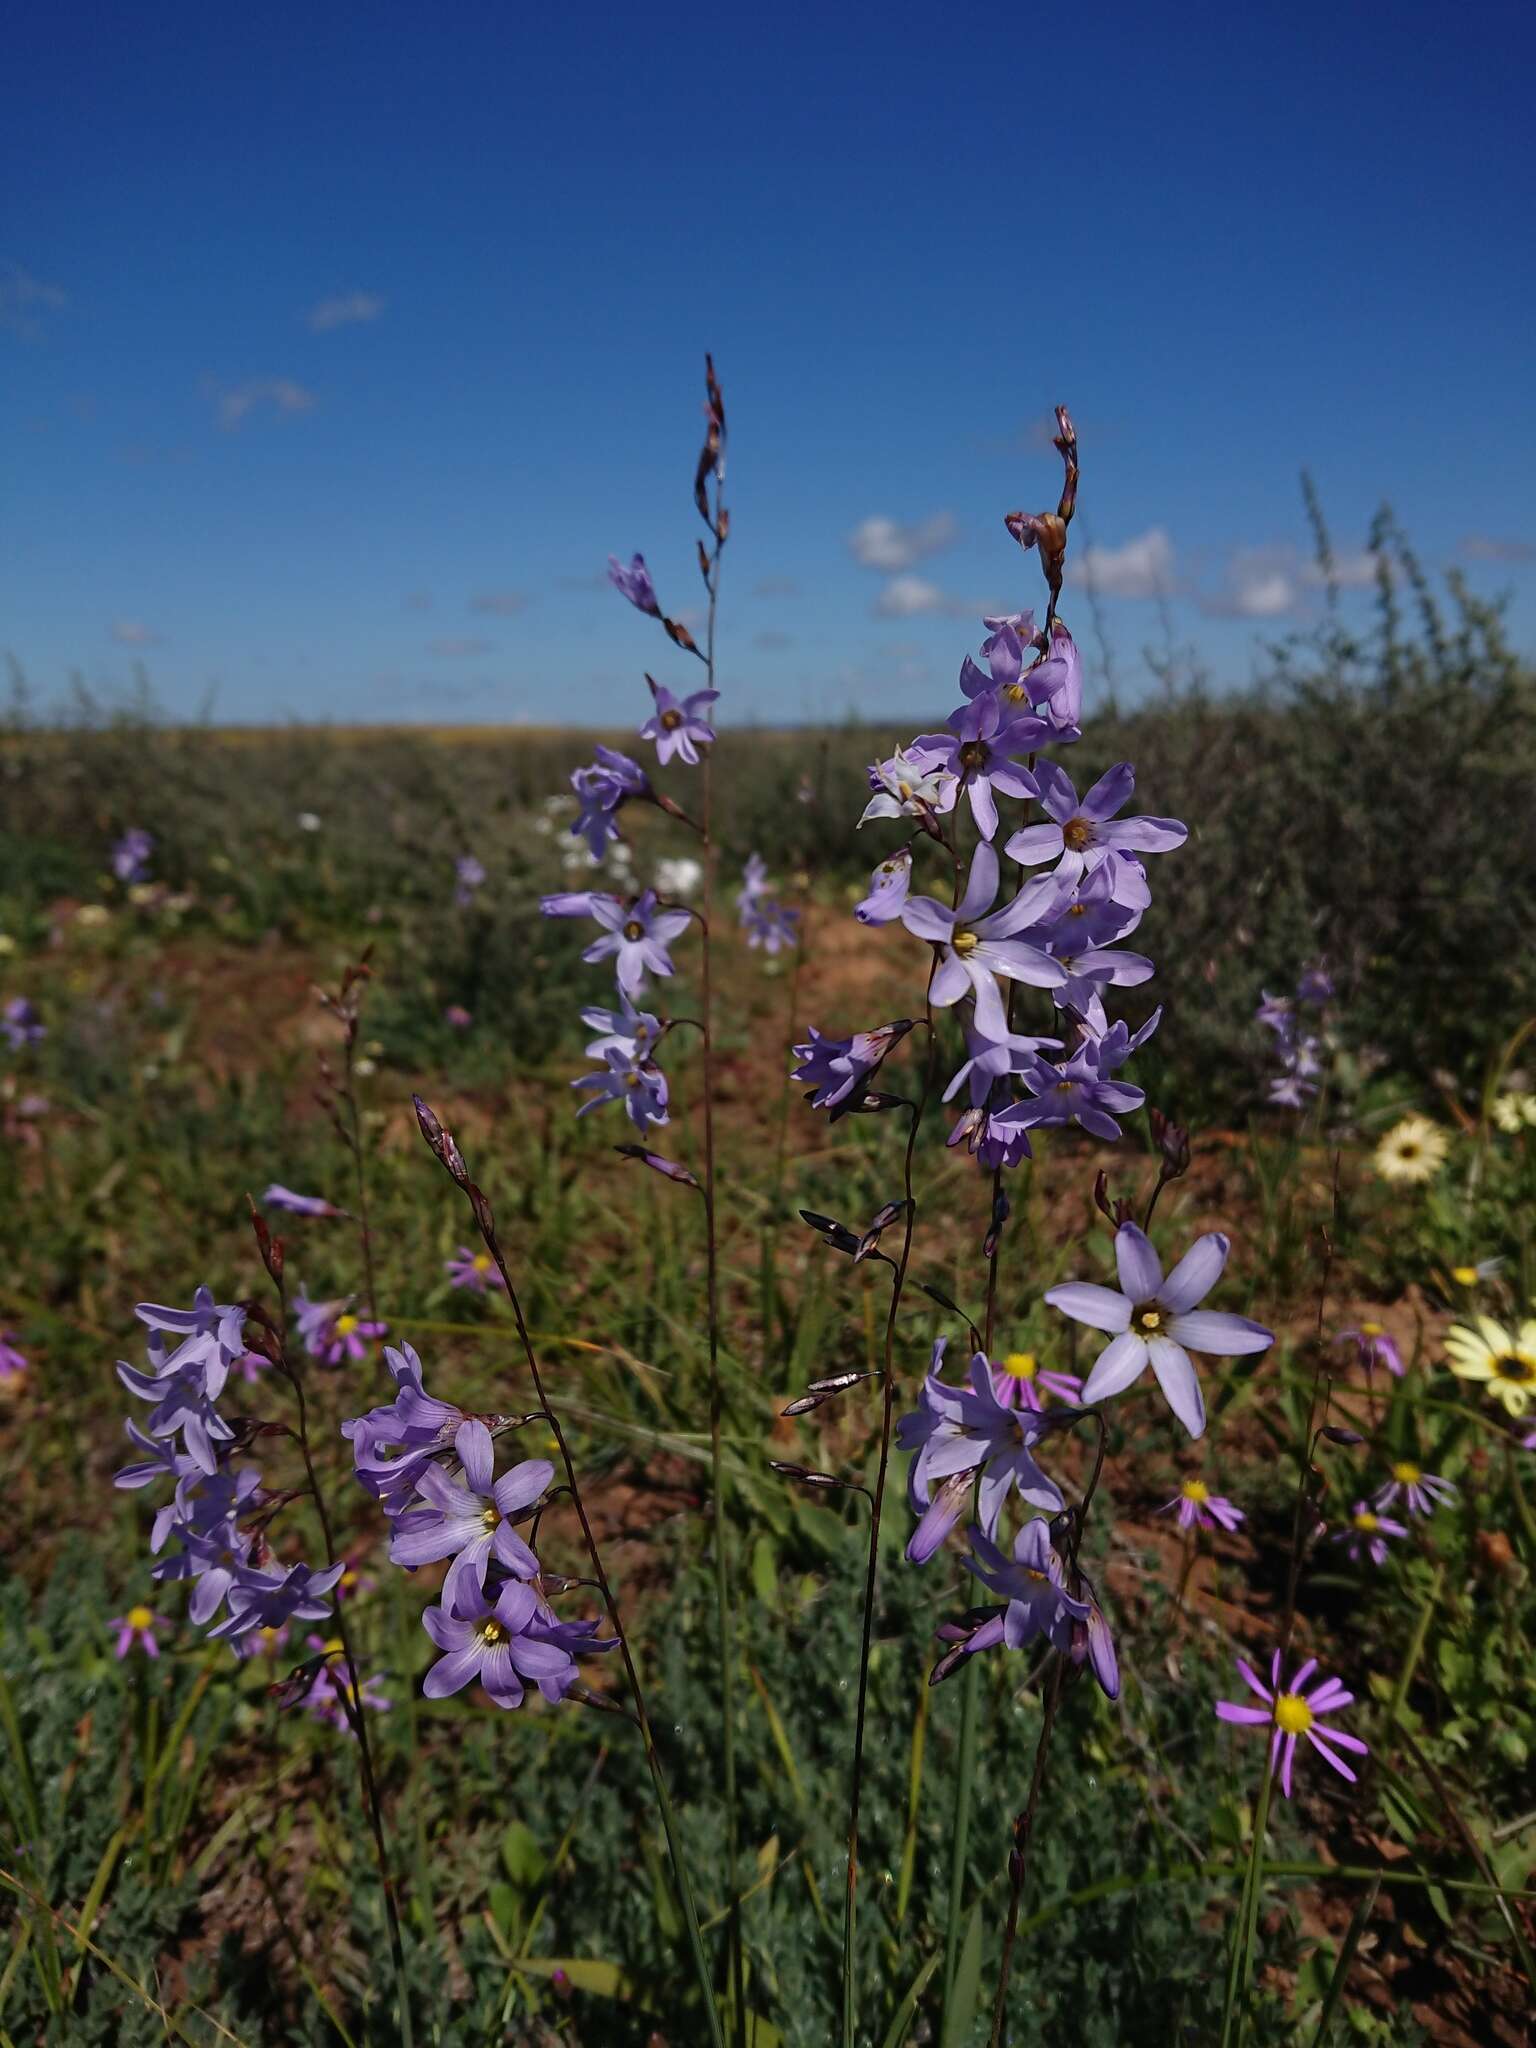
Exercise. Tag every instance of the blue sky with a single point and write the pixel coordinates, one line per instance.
(339, 347)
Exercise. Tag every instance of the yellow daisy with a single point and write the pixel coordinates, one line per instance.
(1413, 1150)
(1506, 1359)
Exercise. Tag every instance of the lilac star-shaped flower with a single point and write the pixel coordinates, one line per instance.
(979, 945)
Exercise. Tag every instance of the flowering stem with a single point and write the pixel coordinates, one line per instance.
(1240, 1970)
(877, 1502)
(452, 1161)
(970, 1691)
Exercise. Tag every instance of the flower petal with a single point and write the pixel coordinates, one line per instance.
(1179, 1381)
(1120, 1363)
(1101, 1308)
(1196, 1273)
(1218, 1334)
(1141, 1274)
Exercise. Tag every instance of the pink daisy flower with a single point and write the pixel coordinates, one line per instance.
(1199, 1508)
(1293, 1713)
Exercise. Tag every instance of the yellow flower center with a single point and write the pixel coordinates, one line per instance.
(1076, 834)
(1464, 1276)
(974, 754)
(345, 1325)
(1021, 1365)
(492, 1632)
(965, 942)
(1077, 910)
(1149, 1318)
(139, 1617)
(491, 1519)
(1365, 1521)
(1038, 1577)
(1196, 1490)
(335, 1647)
(1406, 1474)
(348, 1578)
(904, 791)
(1292, 1714)
(1372, 1329)
(481, 1262)
(1016, 693)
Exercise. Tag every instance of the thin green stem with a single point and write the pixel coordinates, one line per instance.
(970, 1693)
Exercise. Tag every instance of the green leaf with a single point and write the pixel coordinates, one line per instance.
(901, 2019)
(960, 2013)
(765, 1570)
(521, 1856)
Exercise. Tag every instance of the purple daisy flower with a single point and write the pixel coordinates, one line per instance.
(1079, 832)
(332, 1331)
(469, 1523)
(965, 1435)
(1373, 1347)
(1293, 1713)
(978, 945)
(12, 1363)
(136, 1631)
(634, 582)
(1199, 1508)
(473, 1270)
(1151, 1320)
(1019, 1379)
(499, 1643)
(1421, 1491)
(976, 752)
(678, 726)
(1367, 1533)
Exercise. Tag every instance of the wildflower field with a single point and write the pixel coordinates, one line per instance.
(676, 1389)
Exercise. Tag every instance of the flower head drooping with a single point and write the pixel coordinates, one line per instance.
(678, 727)
(1295, 1712)
(1412, 1151)
(839, 1069)
(1032, 1583)
(634, 582)
(131, 855)
(907, 786)
(392, 1445)
(639, 1084)
(888, 887)
(601, 790)
(1367, 1533)
(1152, 1319)
(136, 1631)
(1504, 1359)
(276, 1196)
(1199, 1508)
(1421, 1492)
(473, 1271)
(963, 1435)
(1373, 1347)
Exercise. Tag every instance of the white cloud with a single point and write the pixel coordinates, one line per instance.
(459, 646)
(25, 301)
(134, 633)
(907, 597)
(281, 393)
(345, 309)
(504, 604)
(1487, 547)
(1354, 571)
(894, 544)
(1142, 567)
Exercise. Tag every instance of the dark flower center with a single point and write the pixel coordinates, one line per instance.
(1518, 1371)
(1078, 910)
(671, 720)
(1077, 834)
(634, 929)
(974, 754)
(492, 1632)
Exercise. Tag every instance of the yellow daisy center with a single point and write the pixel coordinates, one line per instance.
(139, 1617)
(1372, 1329)
(1464, 1276)
(481, 1262)
(1365, 1521)
(1406, 1474)
(965, 942)
(1292, 1714)
(1021, 1365)
(1196, 1490)
(345, 1325)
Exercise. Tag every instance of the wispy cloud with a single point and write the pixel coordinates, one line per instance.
(281, 394)
(893, 545)
(771, 641)
(455, 646)
(134, 633)
(776, 586)
(909, 597)
(1487, 547)
(502, 604)
(1142, 567)
(26, 301)
(1257, 583)
(344, 309)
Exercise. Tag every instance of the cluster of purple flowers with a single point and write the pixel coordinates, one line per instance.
(20, 1024)
(131, 855)
(216, 1514)
(432, 1468)
(1059, 931)
(1298, 1046)
(468, 879)
(766, 922)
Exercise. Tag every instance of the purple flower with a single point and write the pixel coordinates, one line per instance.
(457, 1017)
(331, 1331)
(1055, 683)
(185, 1383)
(501, 1644)
(976, 752)
(279, 1197)
(977, 947)
(966, 1435)
(636, 1082)
(1083, 939)
(161, 1461)
(1151, 1320)
(754, 881)
(1373, 1347)
(991, 1141)
(1199, 1508)
(601, 790)
(678, 725)
(1292, 1714)
(635, 584)
(1422, 1491)
(1080, 1089)
(12, 1363)
(21, 1024)
(1366, 1536)
(636, 935)
(888, 887)
(330, 1697)
(1276, 1014)
(838, 1068)
(469, 1523)
(1032, 1584)
(907, 786)
(1092, 1642)
(469, 876)
(269, 1598)
(136, 1630)
(1018, 1380)
(474, 1270)
(1080, 833)
(394, 1444)
(1315, 985)
(130, 856)
(250, 1365)
(990, 1060)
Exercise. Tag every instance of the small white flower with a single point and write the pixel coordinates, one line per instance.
(308, 821)
(365, 1067)
(679, 876)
